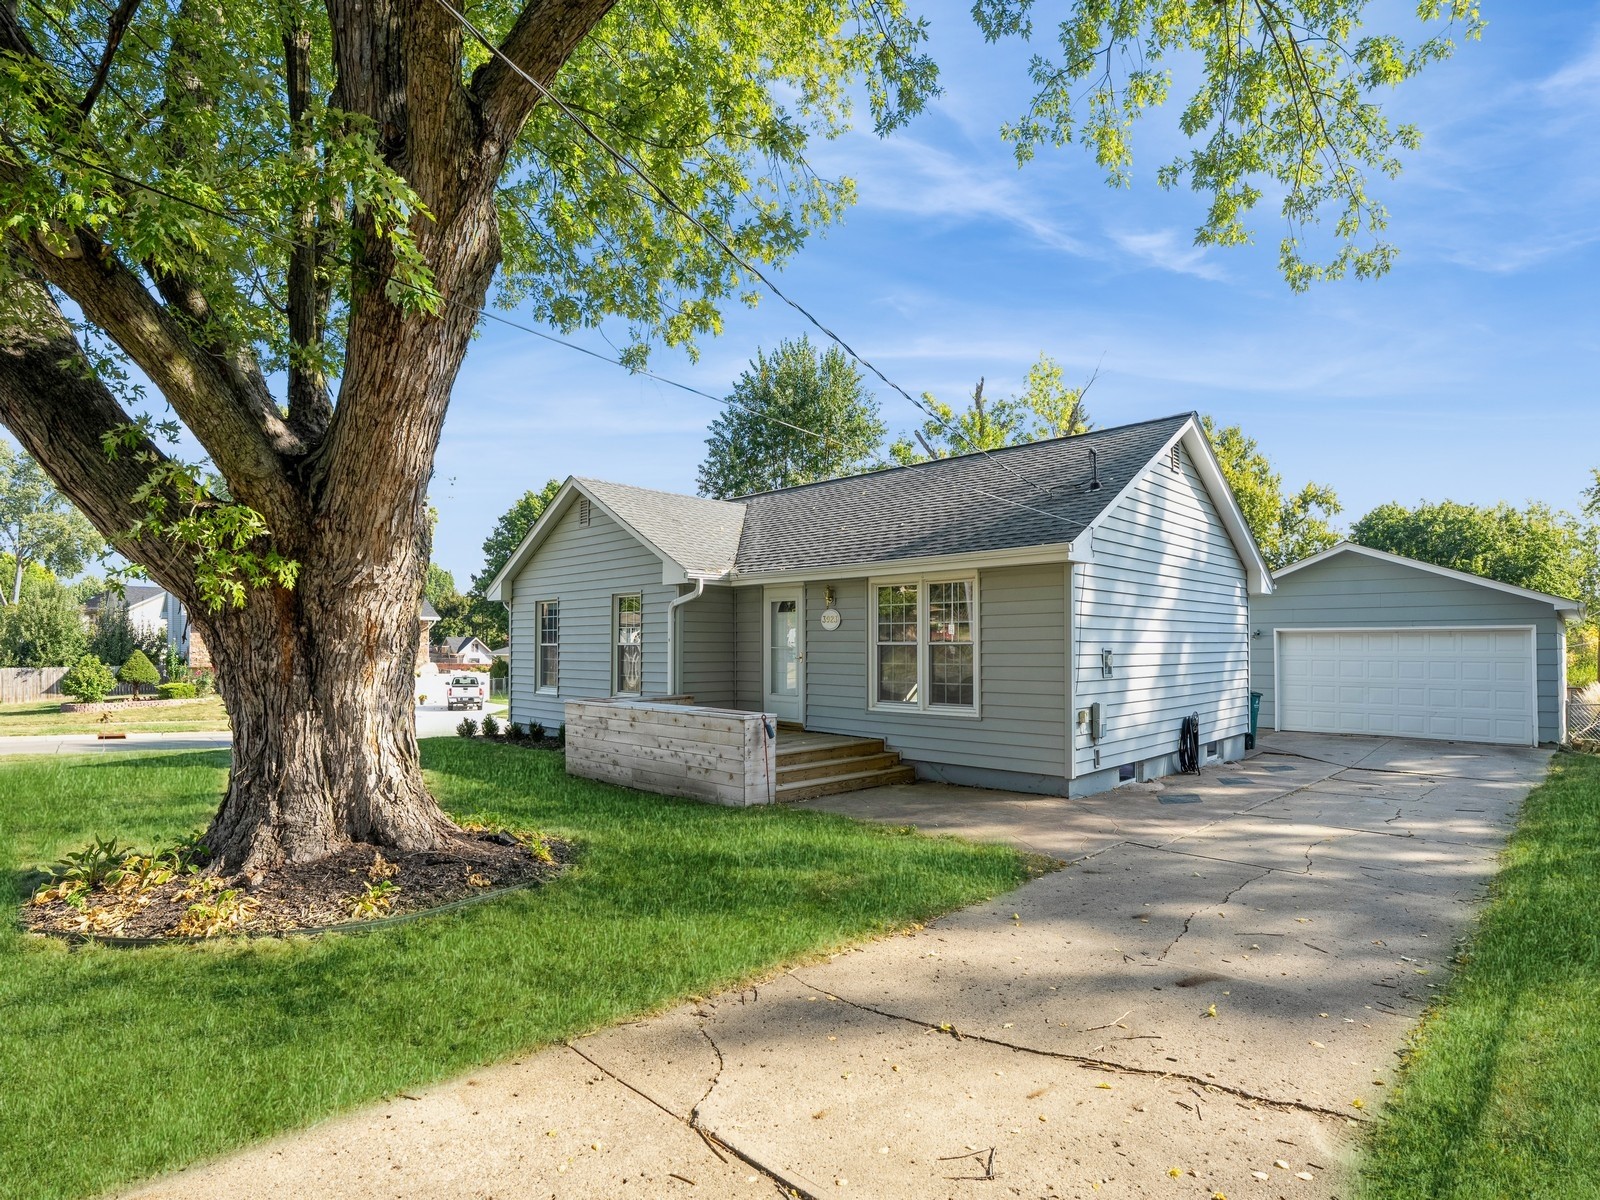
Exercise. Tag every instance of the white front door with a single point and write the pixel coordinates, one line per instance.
(783, 634)
(1461, 684)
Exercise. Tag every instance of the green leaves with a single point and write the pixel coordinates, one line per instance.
(1283, 108)
(1286, 528)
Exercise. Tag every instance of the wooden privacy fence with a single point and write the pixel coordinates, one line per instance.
(19, 685)
(24, 685)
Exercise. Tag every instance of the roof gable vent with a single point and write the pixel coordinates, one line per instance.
(1176, 461)
(583, 512)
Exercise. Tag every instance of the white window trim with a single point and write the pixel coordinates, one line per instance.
(614, 628)
(922, 707)
(540, 686)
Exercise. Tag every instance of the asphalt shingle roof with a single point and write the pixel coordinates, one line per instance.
(700, 535)
(133, 593)
(1037, 494)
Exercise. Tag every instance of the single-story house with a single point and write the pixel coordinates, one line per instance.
(1041, 618)
(1355, 640)
(427, 618)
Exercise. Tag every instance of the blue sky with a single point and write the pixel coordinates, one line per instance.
(1468, 372)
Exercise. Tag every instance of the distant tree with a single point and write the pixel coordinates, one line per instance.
(89, 680)
(1535, 547)
(509, 531)
(1286, 528)
(1057, 410)
(38, 525)
(794, 416)
(139, 671)
(462, 616)
(983, 425)
(43, 628)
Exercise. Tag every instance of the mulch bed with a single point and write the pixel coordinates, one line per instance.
(360, 884)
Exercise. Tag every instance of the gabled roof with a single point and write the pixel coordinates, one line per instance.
(132, 594)
(1564, 606)
(1031, 495)
(429, 612)
(699, 534)
(1014, 499)
(457, 644)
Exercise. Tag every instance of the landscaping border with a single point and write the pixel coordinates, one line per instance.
(136, 943)
(122, 706)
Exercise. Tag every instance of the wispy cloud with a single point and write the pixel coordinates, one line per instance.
(1168, 250)
(1579, 78)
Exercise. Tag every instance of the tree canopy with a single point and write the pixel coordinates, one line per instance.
(38, 525)
(508, 532)
(795, 416)
(1287, 527)
(43, 628)
(1535, 547)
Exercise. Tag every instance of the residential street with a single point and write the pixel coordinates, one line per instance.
(1219, 982)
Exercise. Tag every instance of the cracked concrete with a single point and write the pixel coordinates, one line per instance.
(1203, 989)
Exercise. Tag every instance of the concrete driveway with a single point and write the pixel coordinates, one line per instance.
(1208, 999)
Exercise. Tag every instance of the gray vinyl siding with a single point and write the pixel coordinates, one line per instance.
(747, 649)
(1020, 738)
(706, 669)
(1167, 594)
(584, 568)
(1355, 591)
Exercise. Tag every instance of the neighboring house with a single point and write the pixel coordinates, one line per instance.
(463, 652)
(1040, 618)
(1355, 640)
(428, 619)
(146, 603)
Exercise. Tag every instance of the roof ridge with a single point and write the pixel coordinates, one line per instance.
(998, 450)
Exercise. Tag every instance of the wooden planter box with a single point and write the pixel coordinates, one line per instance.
(715, 754)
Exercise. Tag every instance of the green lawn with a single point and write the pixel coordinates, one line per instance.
(46, 717)
(1501, 1093)
(115, 1065)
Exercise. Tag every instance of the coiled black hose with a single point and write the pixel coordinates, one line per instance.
(1189, 745)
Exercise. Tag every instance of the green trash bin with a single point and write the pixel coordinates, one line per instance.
(1255, 717)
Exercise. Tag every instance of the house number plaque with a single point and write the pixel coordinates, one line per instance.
(830, 619)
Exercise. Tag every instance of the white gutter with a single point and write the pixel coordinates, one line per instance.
(674, 649)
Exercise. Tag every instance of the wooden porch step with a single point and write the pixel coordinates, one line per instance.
(824, 768)
(833, 749)
(807, 789)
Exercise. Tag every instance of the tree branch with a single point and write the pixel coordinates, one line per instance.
(118, 24)
(542, 38)
(60, 412)
(310, 405)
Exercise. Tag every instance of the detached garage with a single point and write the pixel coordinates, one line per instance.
(1355, 640)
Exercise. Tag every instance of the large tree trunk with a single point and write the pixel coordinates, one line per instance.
(319, 688)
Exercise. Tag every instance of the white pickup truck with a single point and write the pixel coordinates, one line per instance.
(465, 691)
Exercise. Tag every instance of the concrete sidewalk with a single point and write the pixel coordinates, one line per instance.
(1229, 964)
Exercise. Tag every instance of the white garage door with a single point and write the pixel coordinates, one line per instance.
(1470, 685)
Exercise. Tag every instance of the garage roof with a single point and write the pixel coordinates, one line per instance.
(1570, 609)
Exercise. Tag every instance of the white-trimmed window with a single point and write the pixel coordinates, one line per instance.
(924, 644)
(549, 664)
(627, 626)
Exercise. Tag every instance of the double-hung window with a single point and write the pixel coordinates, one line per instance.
(549, 664)
(628, 639)
(925, 644)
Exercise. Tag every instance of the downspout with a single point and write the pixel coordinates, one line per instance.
(674, 650)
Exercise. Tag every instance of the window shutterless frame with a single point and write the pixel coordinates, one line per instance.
(627, 644)
(923, 645)
(547, 630)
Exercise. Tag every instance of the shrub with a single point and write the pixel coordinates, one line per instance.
(89, 681)
(204, 683)
(491, 727)
(140, 672)
(561, 734)
(535, 730)
(176, 691)
(467, 728)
